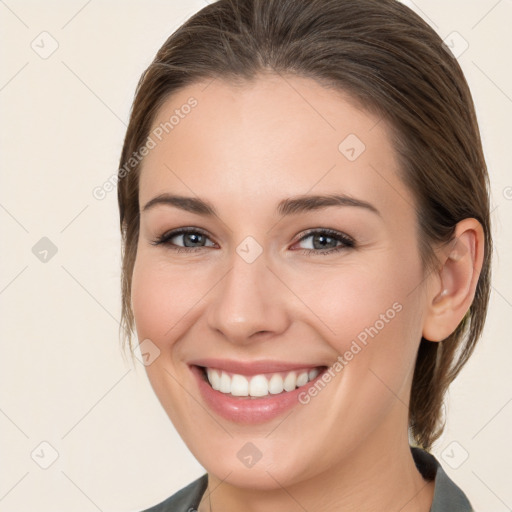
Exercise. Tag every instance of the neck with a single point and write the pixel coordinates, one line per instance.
(377, 475)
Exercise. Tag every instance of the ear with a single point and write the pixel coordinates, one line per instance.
(453, 285)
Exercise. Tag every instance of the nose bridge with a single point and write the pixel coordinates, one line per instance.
(246, 301)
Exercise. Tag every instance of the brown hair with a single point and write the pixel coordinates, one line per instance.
(393, 63)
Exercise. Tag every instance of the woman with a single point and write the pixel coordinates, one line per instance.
(305, 219)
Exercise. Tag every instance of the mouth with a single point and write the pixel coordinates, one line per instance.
(253, 392)
(260, 385)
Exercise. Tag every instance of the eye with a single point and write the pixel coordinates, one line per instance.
(189, 238)
(325, 241)
(321, 241)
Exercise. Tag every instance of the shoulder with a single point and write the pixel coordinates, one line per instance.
(448, 497)
(185, 500)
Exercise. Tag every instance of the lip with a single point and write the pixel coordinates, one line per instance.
(250, 368)
(249, 410)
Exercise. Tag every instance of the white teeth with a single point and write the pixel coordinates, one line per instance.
(258, 385)
(302, 379)
(225, 383)
(275, 385)
(290, 381)
(214, 378)
(313, 374)
(239, 385)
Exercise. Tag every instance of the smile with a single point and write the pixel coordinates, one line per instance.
(252, 392)
(259, 385)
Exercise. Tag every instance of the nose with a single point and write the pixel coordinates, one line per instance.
(249, 302)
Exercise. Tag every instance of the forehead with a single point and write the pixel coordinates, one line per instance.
(273, 137)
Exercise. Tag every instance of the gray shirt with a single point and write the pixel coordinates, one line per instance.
(448, 497)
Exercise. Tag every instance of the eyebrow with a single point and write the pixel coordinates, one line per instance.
(290, 206)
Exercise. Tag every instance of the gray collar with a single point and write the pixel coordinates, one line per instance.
(448, 497)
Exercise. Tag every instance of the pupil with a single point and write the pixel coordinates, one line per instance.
(196, 239)
(322, 244)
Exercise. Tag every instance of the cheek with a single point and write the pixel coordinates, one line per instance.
(162, 296)
(353, 301)
(162, 300)
(150, 302)
(372, 320)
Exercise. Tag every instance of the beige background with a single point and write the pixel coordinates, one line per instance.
(64, 380)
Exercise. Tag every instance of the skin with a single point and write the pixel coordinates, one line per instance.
(243, 149)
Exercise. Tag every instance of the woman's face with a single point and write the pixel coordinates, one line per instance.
(300, 257)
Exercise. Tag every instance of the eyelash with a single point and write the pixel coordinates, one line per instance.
(347, 241)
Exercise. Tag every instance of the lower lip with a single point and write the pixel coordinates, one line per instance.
(248, 410)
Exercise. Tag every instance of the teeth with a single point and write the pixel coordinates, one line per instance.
(313, 374)
(258, 385)
(225, 383)
(290, 381)
(302, 379)
(214, 378)
(275, 384)
(239, 386)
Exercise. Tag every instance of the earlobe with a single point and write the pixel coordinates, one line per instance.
(454, 284)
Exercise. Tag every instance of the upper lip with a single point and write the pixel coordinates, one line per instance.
(252, 367)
